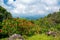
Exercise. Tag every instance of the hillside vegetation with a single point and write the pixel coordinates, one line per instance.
(30, 29)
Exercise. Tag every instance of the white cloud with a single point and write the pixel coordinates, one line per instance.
(31, 7)
(50, 2)
(19, 8)
(26, 1)
(10, 1)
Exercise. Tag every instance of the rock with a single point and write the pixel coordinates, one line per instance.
(51, 33)
(15, 37)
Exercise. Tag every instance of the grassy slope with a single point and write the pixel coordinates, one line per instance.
(42, 37)
(4, 39)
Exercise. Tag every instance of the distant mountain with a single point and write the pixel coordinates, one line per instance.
(30, 17)
(34, 17)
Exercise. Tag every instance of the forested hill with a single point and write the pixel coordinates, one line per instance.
(10, 25)
(4, 14)
(50, 22)
(55, 17)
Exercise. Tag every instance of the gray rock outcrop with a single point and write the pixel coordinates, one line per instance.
(15, 37)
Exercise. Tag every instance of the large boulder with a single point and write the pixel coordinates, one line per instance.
(16, 37)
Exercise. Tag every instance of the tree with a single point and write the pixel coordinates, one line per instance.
(4, 14)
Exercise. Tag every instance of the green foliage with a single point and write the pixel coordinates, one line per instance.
(49, 22)
(58, 27)
(55, 17)
(42, 37)
(23, 27)
(39, 37)
(9, 25)
(4, 14)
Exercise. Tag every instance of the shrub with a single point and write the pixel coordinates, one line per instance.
(23, 27)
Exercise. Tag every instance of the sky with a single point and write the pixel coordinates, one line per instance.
(23, 8)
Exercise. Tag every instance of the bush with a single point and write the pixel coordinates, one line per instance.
(16, 25)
